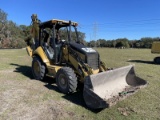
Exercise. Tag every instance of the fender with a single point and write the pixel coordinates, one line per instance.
(39, 51)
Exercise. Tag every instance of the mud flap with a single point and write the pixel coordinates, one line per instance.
(100, 88)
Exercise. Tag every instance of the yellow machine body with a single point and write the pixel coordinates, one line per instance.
(155, 47)
(156, 50)
(72, 62)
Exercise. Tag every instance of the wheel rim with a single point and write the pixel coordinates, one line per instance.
(62, 81)
(36, 68)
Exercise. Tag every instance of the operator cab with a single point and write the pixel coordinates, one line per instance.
(54, 34)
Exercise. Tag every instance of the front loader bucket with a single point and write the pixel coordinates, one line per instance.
(107, 88)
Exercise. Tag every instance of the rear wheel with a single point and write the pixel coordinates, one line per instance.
(38, 69)
(66, 80)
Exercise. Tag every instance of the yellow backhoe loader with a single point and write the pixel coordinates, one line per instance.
(70, 62)
(156, 50)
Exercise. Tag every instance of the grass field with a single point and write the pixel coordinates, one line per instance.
(22, 97)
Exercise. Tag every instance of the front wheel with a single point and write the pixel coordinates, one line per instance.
(66, 80)
(157, 60)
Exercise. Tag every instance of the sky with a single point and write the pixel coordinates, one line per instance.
(98, 19)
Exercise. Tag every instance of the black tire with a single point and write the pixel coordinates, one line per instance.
(66, 80)
(157, 60)
(38, 69)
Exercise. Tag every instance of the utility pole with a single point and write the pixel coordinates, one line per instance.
(95, 32)
(90, 40)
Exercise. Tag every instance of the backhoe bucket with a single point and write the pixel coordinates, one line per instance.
(107, 88)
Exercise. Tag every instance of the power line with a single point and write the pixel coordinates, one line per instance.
(140, 25)
(146, 26)
(147, 21)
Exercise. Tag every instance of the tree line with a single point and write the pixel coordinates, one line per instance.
(145, 42)
(11, 35)
(14, 36)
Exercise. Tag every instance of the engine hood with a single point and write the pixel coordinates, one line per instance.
(82, 48)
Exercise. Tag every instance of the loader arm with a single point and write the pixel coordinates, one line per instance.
(100, 88)
(74, 60)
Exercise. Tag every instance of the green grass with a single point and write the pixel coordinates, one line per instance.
(144, 105)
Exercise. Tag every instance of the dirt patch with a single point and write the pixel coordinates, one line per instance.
(27, 99)
(126, 111)
(128, 91)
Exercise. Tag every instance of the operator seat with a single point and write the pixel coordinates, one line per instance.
(49, 51)
(47, 48)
